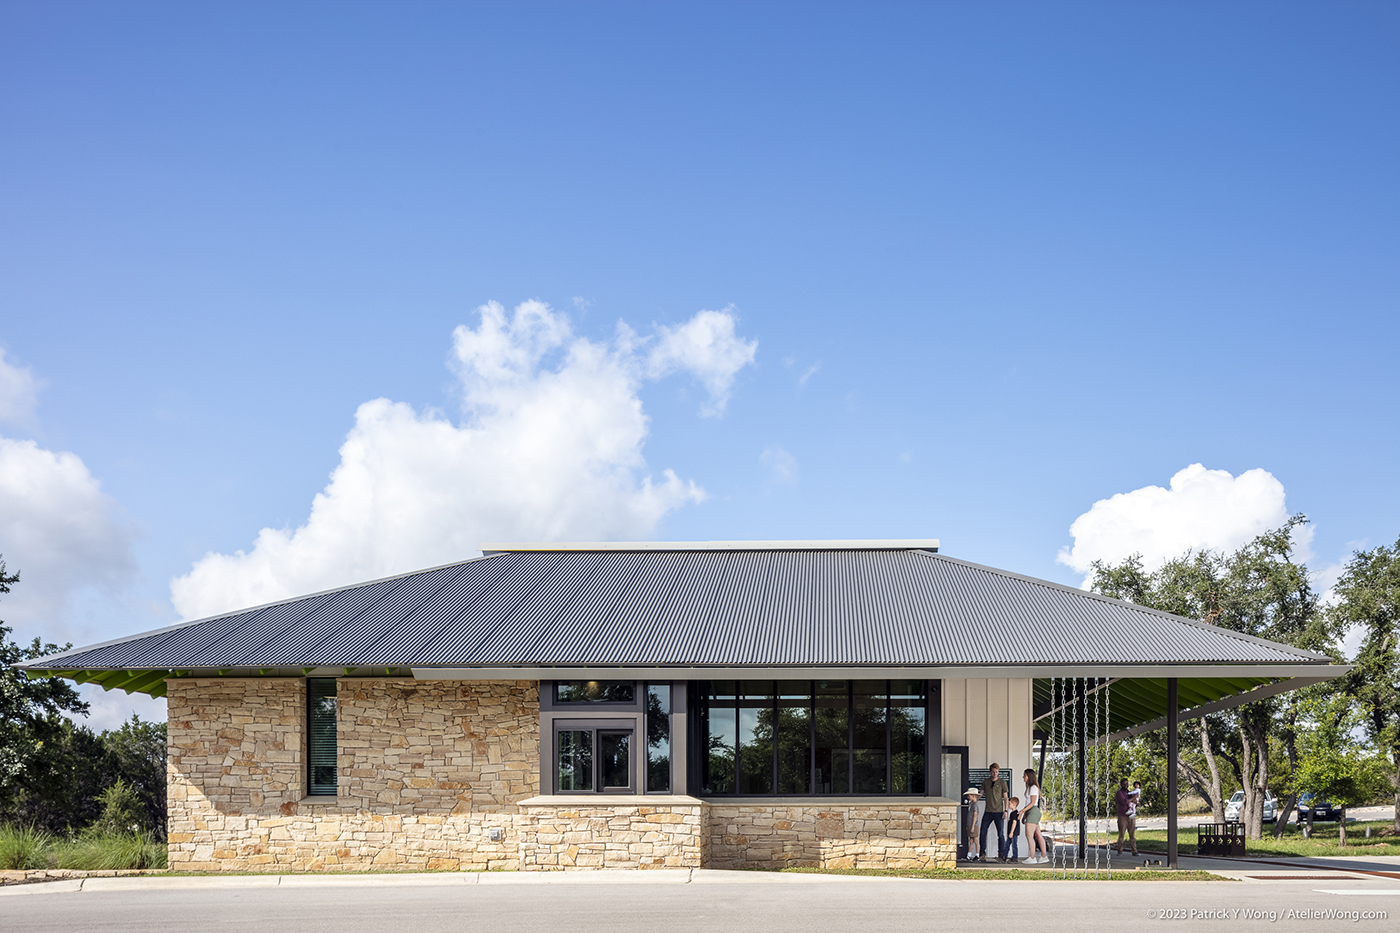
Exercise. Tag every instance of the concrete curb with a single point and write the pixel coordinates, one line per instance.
(407, 879)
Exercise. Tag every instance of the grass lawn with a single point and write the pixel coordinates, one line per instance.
(1007, 874)
(1323, 842)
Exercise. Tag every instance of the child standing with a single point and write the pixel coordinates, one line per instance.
(1013, 830)
(971, 797)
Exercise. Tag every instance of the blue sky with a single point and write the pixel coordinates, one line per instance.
(1000, 262)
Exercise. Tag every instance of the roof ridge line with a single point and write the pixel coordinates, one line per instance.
(796, 544)
(1051, 584)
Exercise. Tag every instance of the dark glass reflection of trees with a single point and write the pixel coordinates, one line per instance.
(822, 737)
(658, 723)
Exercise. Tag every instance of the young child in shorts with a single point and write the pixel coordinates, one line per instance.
(973, 795)
(1013, 829)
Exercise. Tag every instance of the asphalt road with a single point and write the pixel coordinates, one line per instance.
(1354, 814)
(762, 907)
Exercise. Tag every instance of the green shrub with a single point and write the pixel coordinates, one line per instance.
(24, 847)
(122, 813)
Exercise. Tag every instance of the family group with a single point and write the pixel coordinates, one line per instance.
(1008, 815)
(1011, 818)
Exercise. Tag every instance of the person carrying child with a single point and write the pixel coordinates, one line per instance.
(1013, 830)
(1126, 804)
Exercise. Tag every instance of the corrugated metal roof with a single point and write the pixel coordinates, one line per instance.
(688, 608)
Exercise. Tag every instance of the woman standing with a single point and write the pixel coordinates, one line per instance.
(1030, 815)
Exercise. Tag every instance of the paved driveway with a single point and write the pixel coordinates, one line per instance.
(1355, 813)
(710, 902)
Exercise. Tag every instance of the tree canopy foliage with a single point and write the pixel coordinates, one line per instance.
(1262, 590)
(1369, 597)
(53, 771)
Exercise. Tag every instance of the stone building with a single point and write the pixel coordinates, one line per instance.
(723, 705)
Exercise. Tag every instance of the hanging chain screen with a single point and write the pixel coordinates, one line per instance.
(1077, 786)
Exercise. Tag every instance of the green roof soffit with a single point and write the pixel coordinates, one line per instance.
(152, 682)
(1133, 702)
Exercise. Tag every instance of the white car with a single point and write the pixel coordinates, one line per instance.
(1232, 809)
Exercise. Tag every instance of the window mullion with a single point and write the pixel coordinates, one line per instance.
(773, 778)
(812, 736)
(889, 742)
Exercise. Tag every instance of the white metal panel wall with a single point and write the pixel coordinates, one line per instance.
(954, 727)
(993, 719)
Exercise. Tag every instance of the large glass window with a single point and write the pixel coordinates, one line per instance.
(719, 724)
(814, 737)
(908, 736)
(870, 736)
(321, 744)
(755, 758)
(833, 764)
(658, 738)
(594, 691)
(794, 723)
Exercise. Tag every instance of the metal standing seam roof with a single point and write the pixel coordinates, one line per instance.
(687, 608)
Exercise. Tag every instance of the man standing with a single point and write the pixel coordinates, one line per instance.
(1125, 801)
(994, 792)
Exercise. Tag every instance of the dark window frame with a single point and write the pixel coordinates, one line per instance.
(670, 715)
(314, 789)
(698, 719)
(594, 704)
(597, 727)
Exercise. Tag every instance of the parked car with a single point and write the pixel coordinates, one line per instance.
(1232, 809)
(1321, 809)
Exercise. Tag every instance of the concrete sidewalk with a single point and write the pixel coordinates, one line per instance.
(1229, 867)
(411, 879)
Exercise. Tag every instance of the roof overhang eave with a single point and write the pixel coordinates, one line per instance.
(1315, 671)
(1262, 692)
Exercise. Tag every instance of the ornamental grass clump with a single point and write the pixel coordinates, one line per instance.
(24, 847)
(95, 851)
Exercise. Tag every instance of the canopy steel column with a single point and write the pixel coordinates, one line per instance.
(1171, 771)
(1081, 738)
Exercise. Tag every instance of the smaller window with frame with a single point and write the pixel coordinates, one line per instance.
(658, 726)
(595, 692)
(322, 743)
(593, 759)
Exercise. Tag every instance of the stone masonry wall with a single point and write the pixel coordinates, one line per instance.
(833, 836)
(618, 836)
(425, 771)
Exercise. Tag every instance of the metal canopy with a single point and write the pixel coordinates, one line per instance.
(1138, 705)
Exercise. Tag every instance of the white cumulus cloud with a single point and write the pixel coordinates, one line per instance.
(707, 347)
(781, 465)
(1200, 509)
(61, 532)
(18, 390)
(550, 448)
